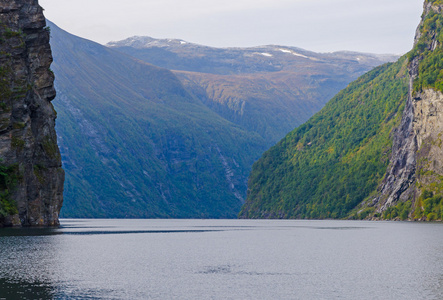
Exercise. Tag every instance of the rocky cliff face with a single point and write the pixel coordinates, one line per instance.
(417, 156)
(400, 177)
(31, 177)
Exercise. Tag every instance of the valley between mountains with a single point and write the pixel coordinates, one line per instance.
(169, 129)
(164, 128)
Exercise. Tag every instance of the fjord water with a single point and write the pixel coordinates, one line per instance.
(223, 259)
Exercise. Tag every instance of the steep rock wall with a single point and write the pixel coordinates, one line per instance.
(400, 177)
(428, 128)
(417, 157)
(31, 177)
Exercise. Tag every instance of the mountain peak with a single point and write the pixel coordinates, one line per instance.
(140, 42)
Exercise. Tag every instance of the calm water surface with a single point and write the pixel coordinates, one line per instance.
(223, 259)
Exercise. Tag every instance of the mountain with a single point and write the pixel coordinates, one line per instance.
(140, 141)
(135, 143)
(268, 90)
(374, 151)
(327, 166)
(31, 177)
(174, 54)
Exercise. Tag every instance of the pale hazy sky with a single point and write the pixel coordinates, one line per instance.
(378, 26)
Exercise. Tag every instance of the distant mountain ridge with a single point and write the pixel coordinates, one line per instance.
(237, 60)
(267, 89)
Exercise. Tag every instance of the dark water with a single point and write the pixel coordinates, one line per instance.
(223, 259)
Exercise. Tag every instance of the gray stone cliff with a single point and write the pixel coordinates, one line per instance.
(34, 179)
(417, 156)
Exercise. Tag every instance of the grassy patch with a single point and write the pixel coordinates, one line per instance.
(8, 180)
(50, 147)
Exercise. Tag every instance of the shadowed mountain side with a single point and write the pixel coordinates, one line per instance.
(135, 143)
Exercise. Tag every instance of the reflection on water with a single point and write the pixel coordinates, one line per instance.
(19, 290)
(223, 259)
(4, 232)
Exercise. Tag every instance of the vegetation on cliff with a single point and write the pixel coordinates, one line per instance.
(429, 52)
(8, 180)
(435, 2)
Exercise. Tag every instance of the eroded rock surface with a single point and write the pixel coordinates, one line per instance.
(417, 156)
(28, 142)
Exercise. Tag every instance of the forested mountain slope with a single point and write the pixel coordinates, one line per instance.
(374, 151)
(327, 166)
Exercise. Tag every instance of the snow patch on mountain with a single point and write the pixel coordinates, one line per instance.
(267, 54)
(295, 53)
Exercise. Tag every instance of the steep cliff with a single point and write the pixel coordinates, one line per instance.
(31, 177)
(415, 174)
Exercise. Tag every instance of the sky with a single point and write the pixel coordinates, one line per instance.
(375, 26)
